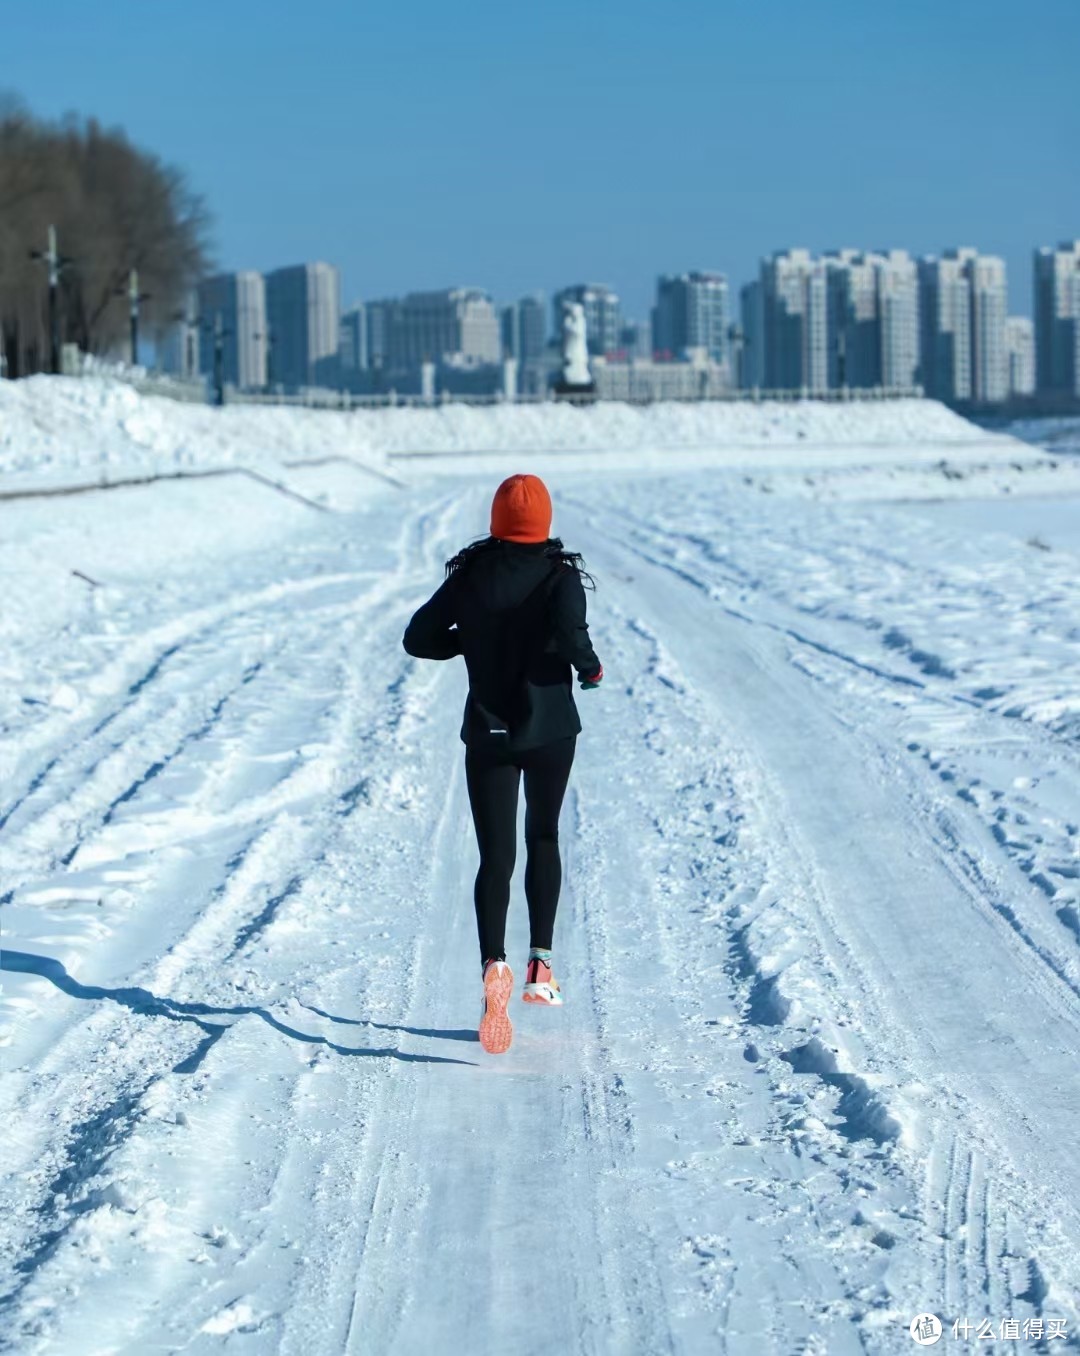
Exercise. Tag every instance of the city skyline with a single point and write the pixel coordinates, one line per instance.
(846, 320)
(702, 140)
(550, 299)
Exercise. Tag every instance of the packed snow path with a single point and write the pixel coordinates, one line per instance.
(817, 1071)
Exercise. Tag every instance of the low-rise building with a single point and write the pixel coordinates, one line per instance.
(1020, 345)
(697, 377)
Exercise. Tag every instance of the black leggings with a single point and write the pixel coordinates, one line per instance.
(493, 779)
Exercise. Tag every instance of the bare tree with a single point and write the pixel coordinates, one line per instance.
(115, 208)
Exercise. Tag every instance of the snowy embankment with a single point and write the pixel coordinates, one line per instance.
(70, 432)
(820, 930)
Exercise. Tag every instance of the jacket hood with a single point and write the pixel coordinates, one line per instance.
(506, 574)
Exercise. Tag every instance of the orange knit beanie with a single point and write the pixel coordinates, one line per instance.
(521, 510)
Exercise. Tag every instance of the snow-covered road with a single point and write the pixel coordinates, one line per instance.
(820, 934)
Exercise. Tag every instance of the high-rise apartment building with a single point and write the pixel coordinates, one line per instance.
(898, 307)
(303, 305)
(635, 339)
(794, 313)
(989, 312)
(691, 312)
(532, 328)
(963, 303)
(854, 329)
(508, 330)
(1057, 320)
(523, 333)
(751, 357)
(353, 342)
(603, 316)
(379, 320)
(847, 319)
(945, 326)
(1020, 346)
(873, 307)
(234, 306)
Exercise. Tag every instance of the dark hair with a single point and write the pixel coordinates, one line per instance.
(553, 550)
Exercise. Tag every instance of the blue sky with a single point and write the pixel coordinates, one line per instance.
(522, 145)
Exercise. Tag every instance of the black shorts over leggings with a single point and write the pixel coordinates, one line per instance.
(493, 779)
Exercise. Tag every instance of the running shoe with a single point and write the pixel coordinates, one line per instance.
(540, 984)
(496, 1033)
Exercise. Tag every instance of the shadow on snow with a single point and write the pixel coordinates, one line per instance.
(146, 1003)
(432, 1033)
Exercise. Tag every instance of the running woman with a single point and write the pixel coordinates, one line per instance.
(513, 604)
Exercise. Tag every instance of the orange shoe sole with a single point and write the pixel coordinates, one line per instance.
(496, 1031)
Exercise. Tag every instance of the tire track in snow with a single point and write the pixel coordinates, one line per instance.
(142, 1040)
(894, 1054)
(815, 590)
(124, 680)
(525, 1145)
(480, 1160)
(1066, 971)
(697, 848)
(169, 713)
(383, 1287)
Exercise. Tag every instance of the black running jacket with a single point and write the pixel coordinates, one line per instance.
(518, 617)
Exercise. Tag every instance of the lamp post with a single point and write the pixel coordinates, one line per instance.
(55, 262)
(219, 334)
(189, 356)
(737, 349)
(134, 297)
(269, 337)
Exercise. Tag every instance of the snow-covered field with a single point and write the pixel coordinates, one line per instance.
(820, 932)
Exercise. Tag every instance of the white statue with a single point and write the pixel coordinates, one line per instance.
(574, 350)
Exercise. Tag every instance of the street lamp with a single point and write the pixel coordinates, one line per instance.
(189, 358)
(737, 349)
(134, 296)
(55, 262)
(269, 337)
(219, 333)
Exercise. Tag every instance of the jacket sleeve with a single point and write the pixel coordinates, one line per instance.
(429, 634)
(571, 630)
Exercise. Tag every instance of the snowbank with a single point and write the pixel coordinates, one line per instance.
(56, 429)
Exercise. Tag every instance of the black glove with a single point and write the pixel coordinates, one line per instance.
(591, 683)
